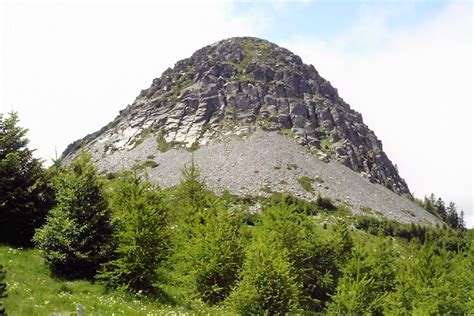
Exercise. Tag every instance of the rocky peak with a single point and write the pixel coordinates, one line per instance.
(236, 86)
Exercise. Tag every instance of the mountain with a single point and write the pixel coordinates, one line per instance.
(256, 119)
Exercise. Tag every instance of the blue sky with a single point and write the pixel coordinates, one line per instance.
(326, 19)
(69, 66)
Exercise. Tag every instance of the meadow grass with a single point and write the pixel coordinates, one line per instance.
(33, 291)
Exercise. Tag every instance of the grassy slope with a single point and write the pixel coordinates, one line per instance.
(32, 291)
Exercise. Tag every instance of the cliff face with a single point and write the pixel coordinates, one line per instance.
(235, 87)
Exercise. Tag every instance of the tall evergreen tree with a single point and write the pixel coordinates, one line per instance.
(24, 193)
(440, 207)
(143, 235)
(367, 278)
(191, 192)
(452, 218)
(268, 285)
(212, 253)
(78, 233)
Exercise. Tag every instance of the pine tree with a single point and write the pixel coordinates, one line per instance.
(143, 235)
(213, 253)
(441, 209)
(311, 264)
(25, 196)
(367, 278)
(77, 236)
(268, 285)
(191, 192)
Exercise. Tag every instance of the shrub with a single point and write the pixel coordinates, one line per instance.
(366, 279)
(298, 205)
(163, 145)
(315, 263)
(213, 254)
(143, 235)
(325, 203)
(306, 183)
(268, 285)
(434, 283)
(25, 196)
(77, 236)
(291, 166)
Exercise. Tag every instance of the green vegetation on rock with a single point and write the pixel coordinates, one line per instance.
(366, 209)
(163, 145)
(326, 145)
(306, 183)
(291, 166)
(144, 165)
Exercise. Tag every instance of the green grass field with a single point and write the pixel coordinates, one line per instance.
(32, 291)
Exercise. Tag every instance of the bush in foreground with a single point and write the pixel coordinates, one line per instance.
(213, 254)
(367, 278)
(268, 285)
(143, 235)
(77, 236)
(207, 240)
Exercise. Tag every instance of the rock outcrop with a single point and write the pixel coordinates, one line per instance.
(233, 88)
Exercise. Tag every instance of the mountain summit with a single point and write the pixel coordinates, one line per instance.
(256, 117)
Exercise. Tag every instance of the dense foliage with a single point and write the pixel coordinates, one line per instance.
(208, 241)
(448, 214)
(288, 265)
(77, 236)
(25, 196)
(367, 277)
(268, 284)
(142, 234)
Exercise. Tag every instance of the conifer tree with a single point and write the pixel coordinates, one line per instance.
(208, 245)
(25, 196)
(213, 254)
(77, 236)
(143, 235)
(367, 278)
(191, 192)
(268, 284)
(312, 266)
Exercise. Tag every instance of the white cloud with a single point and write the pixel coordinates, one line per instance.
(414, 89)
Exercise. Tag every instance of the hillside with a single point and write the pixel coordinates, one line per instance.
(230, 103)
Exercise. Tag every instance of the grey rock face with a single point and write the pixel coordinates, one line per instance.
(235, 87)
